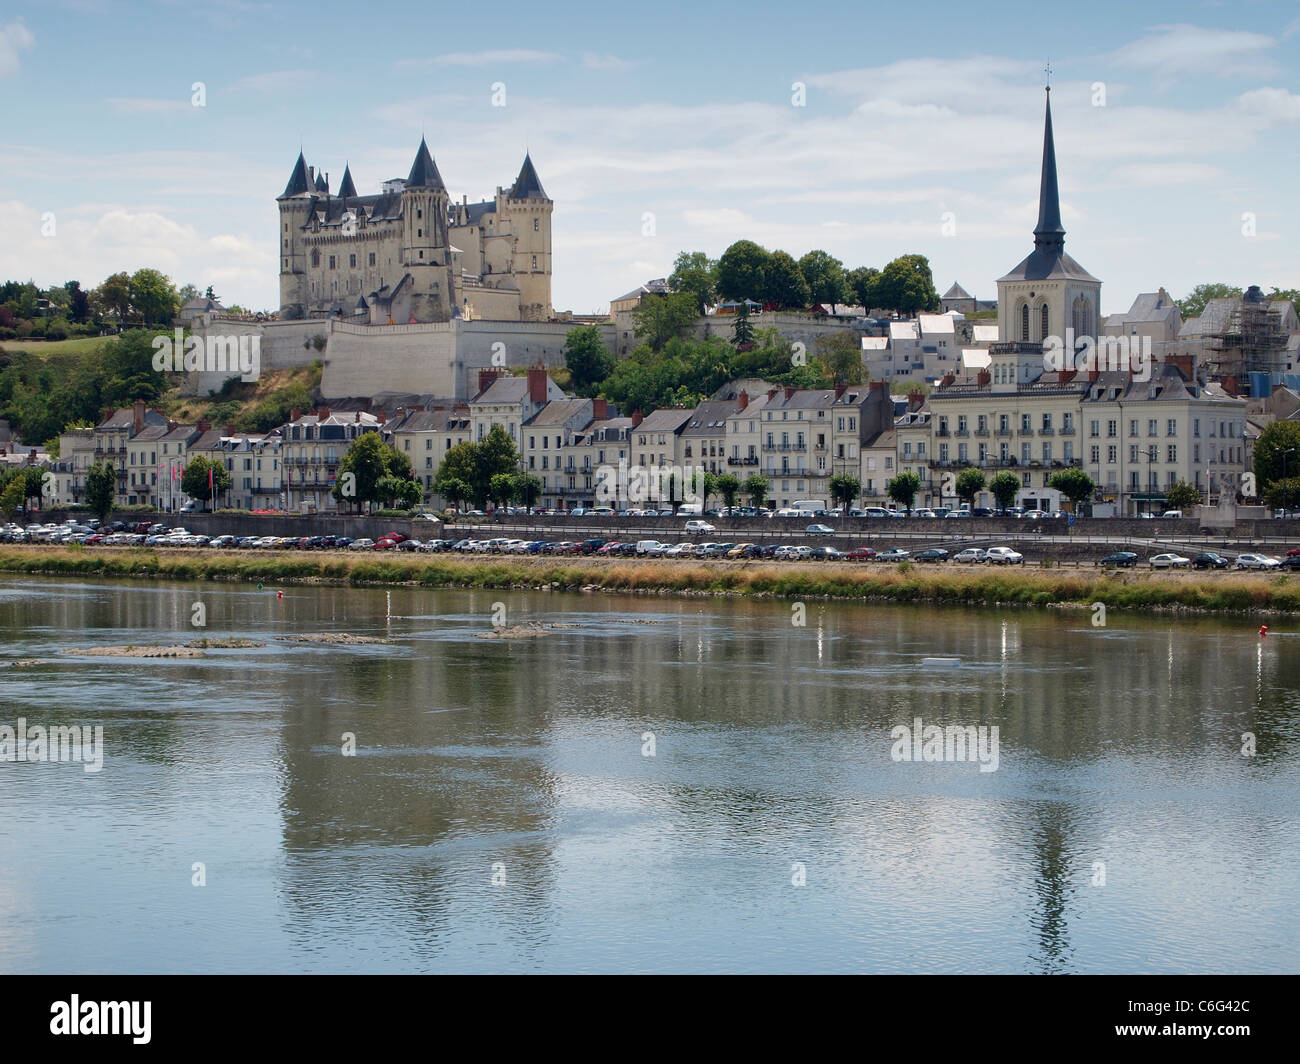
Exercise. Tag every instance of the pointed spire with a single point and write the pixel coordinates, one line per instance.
(347, 190)
(424, 171)
(527, 185)
(1049, 233)
(321, 184)
(298, 179)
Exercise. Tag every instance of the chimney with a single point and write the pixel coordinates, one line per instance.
(137, 417)
(323, 412)
(295, 414)
(485, 379)
(381, 417)
(356, 419)
(743, 399)
(915, 400)
(949, 378)
(537, 384)
(203, 425)
(771, 393)
(1231, 385)
(840, 389)
(228, 430)
(1093, 374)
(636, 418)
(789, 391)
(1184, 364)
(599, 409)
(983, 378)
(875, 386)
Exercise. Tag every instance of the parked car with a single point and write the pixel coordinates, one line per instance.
(361, 544)
(1170, 561)
(699, 527)
(860, 554)
(894, 554)
(820, 530)
(825, 554)
(971, 554)
(1291, 561)
(932, 554)
(1004, 556)
(1257, 561)
(1120, 559)
(1209, 559)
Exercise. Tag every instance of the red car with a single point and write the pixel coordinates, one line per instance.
(1293, 552)
(609, 548)
(860, 554)
(396, 537)
(384, 544)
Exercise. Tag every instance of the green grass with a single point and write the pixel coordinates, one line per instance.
(81, 345)
(1218, 593)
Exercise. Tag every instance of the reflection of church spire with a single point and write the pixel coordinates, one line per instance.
(1049, 233)
(1052, 887)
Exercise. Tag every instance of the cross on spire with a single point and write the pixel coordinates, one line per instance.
(1047, 75)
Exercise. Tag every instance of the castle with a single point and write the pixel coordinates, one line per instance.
(409, 255)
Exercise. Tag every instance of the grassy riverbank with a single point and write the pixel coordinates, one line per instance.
(979, 586)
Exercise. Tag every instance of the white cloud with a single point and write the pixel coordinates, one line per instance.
(14, 37)
(273, 81)
(593, 61)
(1173, 51)
(1274, 105)
(488, 57)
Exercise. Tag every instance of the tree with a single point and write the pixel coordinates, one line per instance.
(588, 359)
(863, 283)
(841, 354)
(662, 318)
(1283, 494)
(114, 297)
(696, 273)
(1005, 487)
(453, 489)
(527, 489)
(742, 329)
(1182, 496)
(361, 469)
(13, 497)
(845, 488)
(185, 293)
(741, 271)
(1277, 452)
(1074, 484)
(728, 487)
(970, 482)
(825, 276)
(78, 302)
(152, 296)
(907, 286)
(33, 479)
(755, 487)
(783, 285)
(705, 483)
(194, 481)
(502, 487)
(398, 491)
(101, 486)
(1193, 304)
(903, 488)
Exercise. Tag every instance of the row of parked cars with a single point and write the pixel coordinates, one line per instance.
(1206, 559)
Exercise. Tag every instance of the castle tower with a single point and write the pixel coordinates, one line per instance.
(1048, 292)
(529, 210)
(295, 204)
(425, 247)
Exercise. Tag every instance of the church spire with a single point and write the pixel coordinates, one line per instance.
(1049, 233)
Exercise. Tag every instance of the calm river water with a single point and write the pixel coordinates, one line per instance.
(501, 813)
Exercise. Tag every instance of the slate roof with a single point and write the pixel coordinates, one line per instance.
(424, 171)
(527, 185)
(297, 179)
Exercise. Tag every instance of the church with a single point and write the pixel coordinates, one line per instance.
(408, 255)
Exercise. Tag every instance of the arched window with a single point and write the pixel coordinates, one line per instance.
(315, 256)
(1082, 316)
(1024, 321)
(1045, 330)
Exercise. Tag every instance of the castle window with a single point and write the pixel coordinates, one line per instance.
(333, 262)
(419, 232)
(534, 262)
(421, 254)
(372, 258)
(419, 214)
(537, 225)
(1043, 336)
(352, 261)
(315, 256)
(1024, 321)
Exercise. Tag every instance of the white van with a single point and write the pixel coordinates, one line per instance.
(649, 547)
(690, 509)
(1169, 515)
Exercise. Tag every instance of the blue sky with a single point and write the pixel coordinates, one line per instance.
(914, 115)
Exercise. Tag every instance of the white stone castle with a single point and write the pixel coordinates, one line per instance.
(407, 255)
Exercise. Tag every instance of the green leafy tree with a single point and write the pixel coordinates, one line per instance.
(1182, 496)
(863, 283)
(907, 286)
(502, 488)
(474, 465)
(1005, 487)
(527, 489)
(728, 487)
(742, 329)
(113, 297)
(365, 462)
(826, 280)
(755, 488)
(453, 489)
(152, 296)
(13, 497)
(845, 488)
(1277, 453)
(1283, 494)
(903, 488)
(970, 482)
(1193, 304)
(1074, 484)
(659, 319)
(841, 355)
(696, 273)
(741, 271)
(588, 359)
(194, 481)
(705, 484)
(101, 486)
(783, 284)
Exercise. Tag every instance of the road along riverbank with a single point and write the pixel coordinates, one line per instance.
(1240, 593)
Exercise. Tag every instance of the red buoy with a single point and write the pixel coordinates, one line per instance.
(1263, 630)
(279, 594)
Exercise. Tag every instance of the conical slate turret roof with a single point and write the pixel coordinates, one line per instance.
(424, 171)
(527, 185)
(347, 190)
(298, 179)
